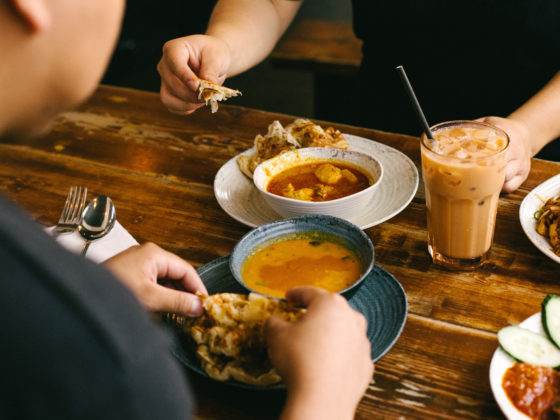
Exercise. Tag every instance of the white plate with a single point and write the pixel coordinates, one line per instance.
(530, 204)
(239, 198)
(498, 366)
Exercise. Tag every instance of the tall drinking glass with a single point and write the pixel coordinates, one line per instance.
(463, 173)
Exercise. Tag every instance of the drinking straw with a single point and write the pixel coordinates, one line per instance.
(415, 103)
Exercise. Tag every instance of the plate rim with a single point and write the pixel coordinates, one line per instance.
(527, 209)
(224, 260)
(350, 138)
(500, 362)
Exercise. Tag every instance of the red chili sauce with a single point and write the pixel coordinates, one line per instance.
(533, 390)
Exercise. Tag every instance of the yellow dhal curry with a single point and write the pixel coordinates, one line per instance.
(301, 261)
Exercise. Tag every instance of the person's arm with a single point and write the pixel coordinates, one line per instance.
(161, 281)
(531, 127)
(240, 34)
(250, 28)
(324, 358)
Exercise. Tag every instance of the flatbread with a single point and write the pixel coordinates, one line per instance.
(300, 133)
(212, 93)
(229, 336)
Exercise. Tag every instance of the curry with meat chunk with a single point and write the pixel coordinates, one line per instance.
(319, 181)
(308, 260)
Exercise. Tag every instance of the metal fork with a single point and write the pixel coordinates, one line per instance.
(72, 211)
(173, 319)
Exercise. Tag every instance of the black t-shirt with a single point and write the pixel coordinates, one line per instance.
(75, 342)
(465, 58)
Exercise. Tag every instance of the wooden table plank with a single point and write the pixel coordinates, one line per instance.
(319, 45)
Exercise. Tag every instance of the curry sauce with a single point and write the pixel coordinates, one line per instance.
(319, 181)
(301, 262)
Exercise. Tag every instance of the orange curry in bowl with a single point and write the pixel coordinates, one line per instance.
(533, 390)
(301, 261)
(319, 181)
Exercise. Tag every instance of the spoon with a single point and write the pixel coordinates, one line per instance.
(98, 219)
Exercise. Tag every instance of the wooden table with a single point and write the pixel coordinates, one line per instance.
(159, 170)
(319, 46)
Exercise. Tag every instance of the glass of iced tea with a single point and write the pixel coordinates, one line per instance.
(463, 169)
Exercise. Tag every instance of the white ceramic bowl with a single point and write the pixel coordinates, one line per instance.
(345, 207)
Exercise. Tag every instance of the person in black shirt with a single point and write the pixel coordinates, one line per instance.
(465, 59)
(76, 341)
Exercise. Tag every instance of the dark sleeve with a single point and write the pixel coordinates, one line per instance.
(76, 343)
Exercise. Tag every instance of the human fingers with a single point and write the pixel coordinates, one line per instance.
(177, 58)
(176, 105)
(176, 97)
(171, 266)
(213, 64)
(274, 324)
(162, 299)
(513, 184)
(174, 85)
(304, 295)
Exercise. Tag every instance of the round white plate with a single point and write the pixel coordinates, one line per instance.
(498, 366)
(530, 204)
(239, 198)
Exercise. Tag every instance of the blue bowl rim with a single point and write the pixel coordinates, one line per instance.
(294, 222)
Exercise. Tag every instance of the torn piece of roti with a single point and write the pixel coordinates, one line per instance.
(211, 93)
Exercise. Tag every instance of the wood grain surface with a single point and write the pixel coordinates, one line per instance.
(159, 170)
(319, 45)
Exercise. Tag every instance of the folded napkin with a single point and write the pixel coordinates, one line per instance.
(117, 240)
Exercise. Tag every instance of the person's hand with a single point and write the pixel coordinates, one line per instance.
(519, 153)
(161, 281)
(183, 60)
(324, 358)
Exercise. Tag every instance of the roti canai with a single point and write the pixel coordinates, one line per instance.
(211, 93)
(229, 336)
(278, 139)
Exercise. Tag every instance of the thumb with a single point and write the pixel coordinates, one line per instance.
(164, 299)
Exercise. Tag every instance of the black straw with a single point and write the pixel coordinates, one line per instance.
(415, 103)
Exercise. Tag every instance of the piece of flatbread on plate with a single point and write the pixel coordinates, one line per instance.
(212, 93)
(278, 139)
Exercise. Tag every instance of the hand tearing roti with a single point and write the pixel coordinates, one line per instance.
(300, 133)
(211, 93)
(229, 336)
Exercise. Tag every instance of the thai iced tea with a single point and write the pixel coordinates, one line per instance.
(463, 173)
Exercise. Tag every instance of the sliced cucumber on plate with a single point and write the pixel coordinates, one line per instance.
(529, 347)
(550, 315)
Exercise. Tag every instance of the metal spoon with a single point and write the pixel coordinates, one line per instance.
(98, 219)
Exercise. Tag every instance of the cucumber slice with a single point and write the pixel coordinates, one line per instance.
(529, 347)
(550, 316)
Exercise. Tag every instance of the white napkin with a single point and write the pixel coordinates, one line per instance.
(117, 240)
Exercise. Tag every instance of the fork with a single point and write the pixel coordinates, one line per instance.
(72, 211)
(173, 319)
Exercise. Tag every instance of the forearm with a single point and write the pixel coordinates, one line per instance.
(250, 28)
(541, 114)
(312, 405)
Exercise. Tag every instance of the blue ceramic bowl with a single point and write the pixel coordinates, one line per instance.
(342, 231)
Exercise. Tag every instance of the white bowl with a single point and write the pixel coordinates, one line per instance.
(345, 207)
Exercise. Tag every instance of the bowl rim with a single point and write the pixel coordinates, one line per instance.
(294, 221)
(355, 195)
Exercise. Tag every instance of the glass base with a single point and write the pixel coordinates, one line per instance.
(457, 263)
